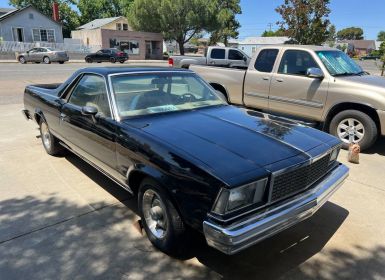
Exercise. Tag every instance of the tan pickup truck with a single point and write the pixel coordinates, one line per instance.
(313, 84)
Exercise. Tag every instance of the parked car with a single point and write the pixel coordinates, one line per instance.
(192, 160)
(215, 56)
(107, 55)
(370, 57)
(42, 54)
(316, 85)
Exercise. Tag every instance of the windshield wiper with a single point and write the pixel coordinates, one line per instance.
(345, 74)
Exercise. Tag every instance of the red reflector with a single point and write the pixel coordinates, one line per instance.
(170, 62)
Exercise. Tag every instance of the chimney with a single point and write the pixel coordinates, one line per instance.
(55, 14)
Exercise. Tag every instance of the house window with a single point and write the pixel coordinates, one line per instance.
(43, 35)
(125, 26)
(130, 47)
(118, 26)
(30, 15)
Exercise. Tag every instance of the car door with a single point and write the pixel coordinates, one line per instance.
(217, 56)
(106, 55)
(32, 55)
(40, 53)
(98, 56)
(91, 136)
(292, 92)
(258, 79)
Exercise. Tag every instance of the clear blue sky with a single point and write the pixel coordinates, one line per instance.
(257, 14)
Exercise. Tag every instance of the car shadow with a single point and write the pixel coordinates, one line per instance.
(269, 259)
(377, 148)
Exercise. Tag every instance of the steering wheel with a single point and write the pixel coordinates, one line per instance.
(187, 97)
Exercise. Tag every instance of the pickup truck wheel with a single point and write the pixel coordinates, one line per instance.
(163, 225)
(50, 143)
(354, 126)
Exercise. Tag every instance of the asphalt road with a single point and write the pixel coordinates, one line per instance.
(61, 219)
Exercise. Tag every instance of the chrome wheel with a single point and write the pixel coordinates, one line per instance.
(22, 60)
(46, 136)
(154, 212)
(46, 60)
(350, 130)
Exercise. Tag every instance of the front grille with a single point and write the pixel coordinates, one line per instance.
(296, 180)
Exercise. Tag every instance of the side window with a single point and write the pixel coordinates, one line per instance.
(296, 62)
(91, 91)
(218, 53)
(235, 55)
(266, 60)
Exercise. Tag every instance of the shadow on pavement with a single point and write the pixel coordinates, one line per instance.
(378, 148)
(101, 244)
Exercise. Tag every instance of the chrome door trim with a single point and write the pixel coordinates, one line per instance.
(312, 104)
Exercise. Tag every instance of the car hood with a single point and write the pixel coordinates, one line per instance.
(232, 142)
(376, 83)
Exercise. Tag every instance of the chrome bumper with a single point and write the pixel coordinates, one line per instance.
(238, 236)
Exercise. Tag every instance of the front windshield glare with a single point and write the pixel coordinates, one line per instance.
(152, 93)
(338, 63)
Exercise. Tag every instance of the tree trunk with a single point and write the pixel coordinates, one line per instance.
(181, 47)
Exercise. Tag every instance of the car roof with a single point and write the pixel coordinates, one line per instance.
(130, 69)
(301, 47)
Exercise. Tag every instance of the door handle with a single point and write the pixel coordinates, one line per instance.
(265, 78)
(62, 116)
(279, 80)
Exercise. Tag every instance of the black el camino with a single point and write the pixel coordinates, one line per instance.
(194, 161)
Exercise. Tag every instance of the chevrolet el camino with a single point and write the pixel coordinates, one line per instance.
(193, 161)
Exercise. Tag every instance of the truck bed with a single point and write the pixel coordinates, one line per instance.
(224, 76)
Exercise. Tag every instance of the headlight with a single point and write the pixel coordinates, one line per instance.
(230, 200)
(334, 154)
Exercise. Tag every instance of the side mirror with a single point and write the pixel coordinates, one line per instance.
(244, 58)
(315, 73)
(89, 110)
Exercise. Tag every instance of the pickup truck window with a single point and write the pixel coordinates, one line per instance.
(235, 55)
(91, 91)
(266, 60)
(339, 63)
(147, 94)
(218, 54)
(296, 62)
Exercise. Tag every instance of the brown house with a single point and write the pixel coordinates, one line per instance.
(116, 33)
(361, 47)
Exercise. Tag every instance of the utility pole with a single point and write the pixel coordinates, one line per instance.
(270, 26)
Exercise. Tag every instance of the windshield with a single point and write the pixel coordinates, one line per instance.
(339, 63)
(50, 49)
(151, 93)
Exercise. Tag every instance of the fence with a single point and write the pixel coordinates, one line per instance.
(10, 46)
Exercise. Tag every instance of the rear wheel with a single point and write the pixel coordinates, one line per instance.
(163, 224)
(352, 126)
(61, 62)
(122, 61)
(46, 60)
(50, 143)
(22, 60)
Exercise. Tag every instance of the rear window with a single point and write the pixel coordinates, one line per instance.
(218, 53)
(266, 60)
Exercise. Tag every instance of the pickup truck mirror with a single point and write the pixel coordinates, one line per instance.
(89, 110)
(315, 72)
(244, 58)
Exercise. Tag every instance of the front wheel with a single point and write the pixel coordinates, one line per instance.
(352, 126)
(46, 60)
(163, 225)
(112, 59)
(50, 143)
(22, 60)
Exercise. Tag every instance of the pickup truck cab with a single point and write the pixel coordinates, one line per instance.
(318, 85)
(214, 56)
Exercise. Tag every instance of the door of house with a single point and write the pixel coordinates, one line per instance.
(18, 34)
(148, 49)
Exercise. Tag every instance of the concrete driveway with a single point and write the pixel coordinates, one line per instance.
(61, 219)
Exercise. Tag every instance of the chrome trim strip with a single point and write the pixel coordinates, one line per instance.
(258, 95)
(312, 104)
(238, 236)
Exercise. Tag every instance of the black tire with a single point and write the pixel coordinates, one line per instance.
(175, 237)
(112, 59)
(88, 59)
(50, 142)
(61, 62)
(121, 61)
(370, 128)
(22, 60)
(46, 60)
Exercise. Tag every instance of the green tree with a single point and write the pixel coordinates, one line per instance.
(278, 33)
(332, 35)
(305, 21)
(94, 9)
(178, 20)
(225, 25)
(351, 33)
(68, 17)
(381, 36)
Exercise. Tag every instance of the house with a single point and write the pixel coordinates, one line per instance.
(361, 47)
(378, 45)
(115, 32)
(29, 25)
(250, 44)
